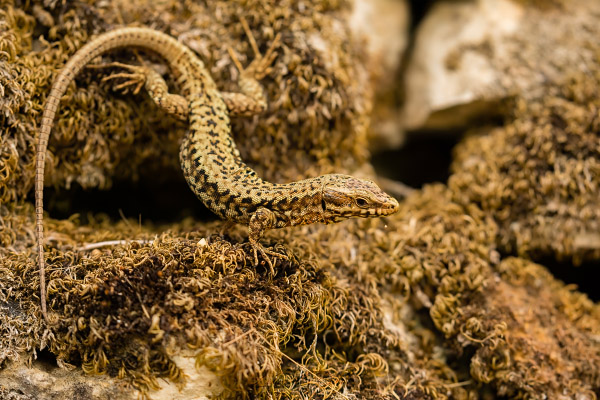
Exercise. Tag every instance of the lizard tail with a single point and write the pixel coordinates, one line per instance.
(155, 41)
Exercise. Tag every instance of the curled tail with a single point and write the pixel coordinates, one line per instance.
(145, 38)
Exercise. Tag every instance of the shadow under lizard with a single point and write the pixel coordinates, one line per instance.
(209, 158)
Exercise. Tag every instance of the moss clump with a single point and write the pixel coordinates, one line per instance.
(537, 176)
(422, 309)
(519, 330)
(125, 310)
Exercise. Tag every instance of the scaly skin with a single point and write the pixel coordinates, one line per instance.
(209, 158)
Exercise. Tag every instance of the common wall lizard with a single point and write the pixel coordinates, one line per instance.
(209, 158)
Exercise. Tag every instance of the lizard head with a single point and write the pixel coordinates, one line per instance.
(345, 197)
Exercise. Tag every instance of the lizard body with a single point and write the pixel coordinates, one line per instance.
(209, 158)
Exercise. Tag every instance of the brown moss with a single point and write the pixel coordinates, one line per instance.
(528, 341)
(123, 310)
(532, 336)
(544, 4)
(367, 309)
(417, 306)
(536, 176)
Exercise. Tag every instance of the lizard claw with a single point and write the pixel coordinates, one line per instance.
(261, 65)
(261, 220)
(135, 79)
(265, 253)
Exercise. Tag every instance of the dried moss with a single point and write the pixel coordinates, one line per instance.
(124, 310)
(537, 176)
(417, 306)
(402, 310)
(549, 348)
(545, 5)
(521, 331)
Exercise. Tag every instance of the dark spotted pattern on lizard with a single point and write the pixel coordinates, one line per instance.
(209, 158)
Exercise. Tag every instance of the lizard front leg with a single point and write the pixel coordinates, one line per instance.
(262, 220)
(155, 85)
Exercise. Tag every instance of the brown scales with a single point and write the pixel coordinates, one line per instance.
(209, 158)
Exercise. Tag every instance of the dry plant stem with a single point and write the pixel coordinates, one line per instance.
(93, 246)
(209, 158)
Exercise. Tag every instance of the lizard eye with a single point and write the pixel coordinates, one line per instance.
(361, 202)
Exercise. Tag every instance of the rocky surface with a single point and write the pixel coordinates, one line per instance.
(469, 56)
(42, 381)
(383, 25)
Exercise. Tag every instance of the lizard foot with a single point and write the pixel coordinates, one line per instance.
(261, 65)
(262, 220)
(134, 80)
(265, 253)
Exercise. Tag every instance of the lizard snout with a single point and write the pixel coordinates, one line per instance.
(388, 208)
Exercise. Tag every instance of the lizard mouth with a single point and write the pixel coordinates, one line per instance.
(389, 208)
(386, 209)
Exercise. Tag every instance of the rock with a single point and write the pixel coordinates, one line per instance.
(42, 381)
(200, 383)
(383, 25)
(468, 56)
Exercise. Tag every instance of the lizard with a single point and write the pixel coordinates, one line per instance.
(208, 156)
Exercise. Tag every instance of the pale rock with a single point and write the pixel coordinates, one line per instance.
(44, 381)
(470, 55)
(383, 26)
(200, 383)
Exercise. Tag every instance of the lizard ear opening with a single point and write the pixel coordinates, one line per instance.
(323, 204)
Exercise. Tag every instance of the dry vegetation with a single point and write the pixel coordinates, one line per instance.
(427, 304)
